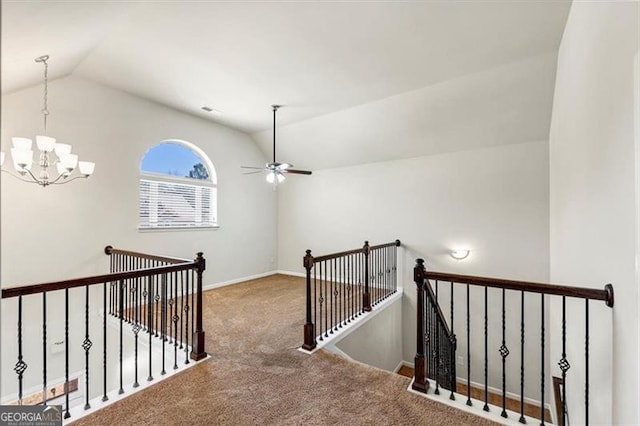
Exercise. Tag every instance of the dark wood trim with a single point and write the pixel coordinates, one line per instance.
(354, 251)
(379, 246)
(557, 382)
(53, 392)
(96, 279)
(336, 255)
(108, 250)
(561, 290)
(198, 352)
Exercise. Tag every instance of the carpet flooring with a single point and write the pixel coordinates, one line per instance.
(256, 375)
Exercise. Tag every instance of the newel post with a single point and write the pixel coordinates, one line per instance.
(309, 332)
(366, 298)
(197, 350)
(420, 382)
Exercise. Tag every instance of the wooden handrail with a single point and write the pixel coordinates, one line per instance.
(96, 279)
(109, 250)
(379, 246)
(336, 255)
(355, 251)
(605, 294)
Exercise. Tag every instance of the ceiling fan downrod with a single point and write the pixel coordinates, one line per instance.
(275, 108)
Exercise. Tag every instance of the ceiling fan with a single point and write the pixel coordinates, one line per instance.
(276, 171)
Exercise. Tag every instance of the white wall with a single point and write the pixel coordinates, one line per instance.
(593, 203)
(493, 200)
(378, 342)
(63, 229)
(504, 105)
(59, 232)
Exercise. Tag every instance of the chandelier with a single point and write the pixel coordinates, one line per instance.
(65, 162)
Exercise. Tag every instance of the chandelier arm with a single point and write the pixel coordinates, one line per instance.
(38, 181)
(71, 180)
(60, 176)
(18, 176)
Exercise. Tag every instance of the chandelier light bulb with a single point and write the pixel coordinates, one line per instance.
(69, 161)
(86, 167)
(45, 143)
(62, 149)
(23, 144)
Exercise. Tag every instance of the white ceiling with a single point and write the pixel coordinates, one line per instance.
(316, 58)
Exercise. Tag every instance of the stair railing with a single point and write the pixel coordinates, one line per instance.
(429, 360)
(137, 281)
(342, 286)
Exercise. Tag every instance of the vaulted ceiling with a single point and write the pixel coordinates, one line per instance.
(317, 58)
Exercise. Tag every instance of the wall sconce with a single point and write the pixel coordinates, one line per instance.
(459, 254)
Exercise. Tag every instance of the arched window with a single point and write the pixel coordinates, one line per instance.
(177, 187)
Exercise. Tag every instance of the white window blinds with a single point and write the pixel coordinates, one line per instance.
(171, 204)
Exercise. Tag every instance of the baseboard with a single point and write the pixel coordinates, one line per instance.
(293, 274)
(463, 381)
(498, 391)
(238, 280)
(403, 363)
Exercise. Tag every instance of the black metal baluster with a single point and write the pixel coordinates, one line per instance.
(163, 320)
(174, 319)
(564, 364)
(378, 276)
(67, 414)
(136, 330)
(345, 294)
(453, 334)
(350, 287)
(486, 351)
(86, 345)
(104, 341)
(181, 307)
(395, 267)
(387, 267)
(44, 348)
(522, 419)
(469, 403)
(121, 286)
(186, 323)
(149, 322)
(20, 366)
(339, 292)
(354, 286)
(437, 332)
(504, 353)
(156, 299)
(542, 359)
(330, 270)
(321, 300)
(170, 311)
(586, 362)
(336, 293)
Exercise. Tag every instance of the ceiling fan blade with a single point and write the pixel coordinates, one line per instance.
(252, 173)
(249, 167)
(297, 172)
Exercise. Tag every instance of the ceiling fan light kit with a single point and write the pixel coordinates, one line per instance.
(276, 171)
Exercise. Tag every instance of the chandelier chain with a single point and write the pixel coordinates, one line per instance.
(45, 110)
